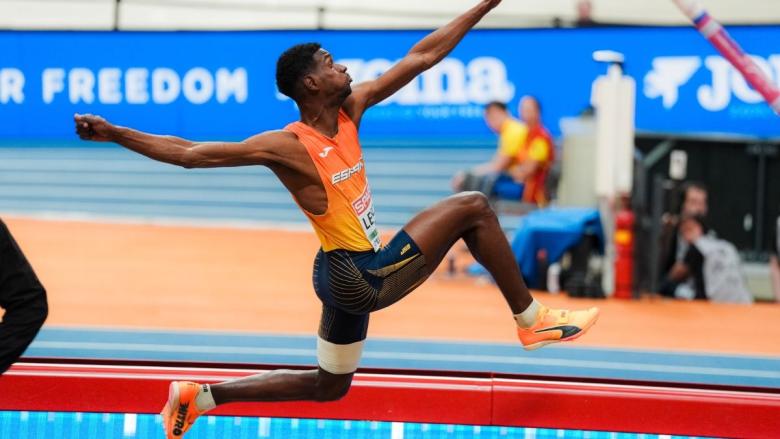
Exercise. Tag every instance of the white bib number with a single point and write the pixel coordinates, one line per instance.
(364, 208)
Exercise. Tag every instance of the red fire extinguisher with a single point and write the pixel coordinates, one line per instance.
(624, 254)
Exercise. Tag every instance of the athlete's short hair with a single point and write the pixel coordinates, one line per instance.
(496, 104)
(293, 65)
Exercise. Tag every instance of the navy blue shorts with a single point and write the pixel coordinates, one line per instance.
(353, 284)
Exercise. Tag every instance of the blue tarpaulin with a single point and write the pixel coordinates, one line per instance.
(553, 229)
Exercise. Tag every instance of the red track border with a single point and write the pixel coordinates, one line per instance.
(485, 400)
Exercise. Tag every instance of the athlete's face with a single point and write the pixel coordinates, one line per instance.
(333, 77)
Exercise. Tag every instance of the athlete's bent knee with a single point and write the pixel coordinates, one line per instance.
(477, 203)
(333, 389)
(337, 364)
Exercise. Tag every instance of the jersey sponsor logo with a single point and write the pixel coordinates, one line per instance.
(363, 203)
(346, 174)
(325, 151)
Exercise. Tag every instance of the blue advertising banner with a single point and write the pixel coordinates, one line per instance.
(209, 85)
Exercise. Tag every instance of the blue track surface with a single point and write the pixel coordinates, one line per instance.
(567, 361)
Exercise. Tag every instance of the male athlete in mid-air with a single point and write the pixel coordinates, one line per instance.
(319, 160)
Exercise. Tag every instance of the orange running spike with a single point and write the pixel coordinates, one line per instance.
(180, 412)
(556, 325)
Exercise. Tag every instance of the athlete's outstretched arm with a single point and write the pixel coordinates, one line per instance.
(256, 150)
(423, 55)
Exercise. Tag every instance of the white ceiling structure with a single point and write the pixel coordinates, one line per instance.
(350, 14)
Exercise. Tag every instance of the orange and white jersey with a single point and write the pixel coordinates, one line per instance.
(349, 221)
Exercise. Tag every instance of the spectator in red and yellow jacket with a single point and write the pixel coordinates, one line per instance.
(519, 169)
(534, 156)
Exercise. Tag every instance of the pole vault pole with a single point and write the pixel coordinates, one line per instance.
(718, 37)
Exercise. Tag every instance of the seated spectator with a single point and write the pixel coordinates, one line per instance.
(535, 155)
(774, 261)
(520, 167)
(692, 201)
(685, 278)
(510, 135)
(710, 268)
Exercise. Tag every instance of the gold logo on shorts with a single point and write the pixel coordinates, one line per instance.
(405, 249)
(390, 269)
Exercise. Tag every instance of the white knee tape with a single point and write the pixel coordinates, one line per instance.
(338, 358)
